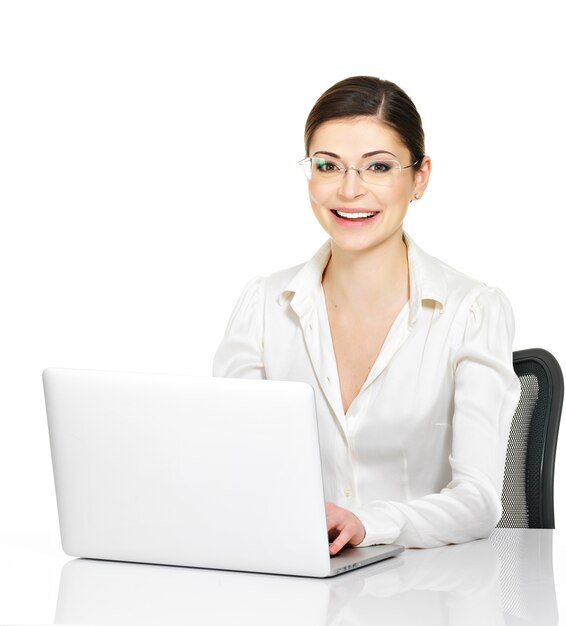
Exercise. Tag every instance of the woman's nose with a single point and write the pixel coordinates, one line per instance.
(352, 184)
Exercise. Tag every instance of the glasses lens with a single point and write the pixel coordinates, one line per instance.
(322, 170)
(307, 167)
(380, 172)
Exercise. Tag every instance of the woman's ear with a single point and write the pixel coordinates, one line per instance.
(421, 178)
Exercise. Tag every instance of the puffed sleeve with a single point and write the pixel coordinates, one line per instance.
(240, 354)
(486, 394)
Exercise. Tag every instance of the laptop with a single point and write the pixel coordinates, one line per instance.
(218, 473)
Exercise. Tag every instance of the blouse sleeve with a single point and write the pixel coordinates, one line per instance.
(486, 394)
(240, 353)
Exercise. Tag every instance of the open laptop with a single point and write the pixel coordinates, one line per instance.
(217, 473)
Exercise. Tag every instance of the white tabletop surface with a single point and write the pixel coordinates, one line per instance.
(508, 579)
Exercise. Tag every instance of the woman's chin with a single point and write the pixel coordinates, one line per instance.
(356, 239)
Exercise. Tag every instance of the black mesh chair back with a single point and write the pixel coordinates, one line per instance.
(528, 498)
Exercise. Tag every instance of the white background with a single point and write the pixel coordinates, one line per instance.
(148, 170)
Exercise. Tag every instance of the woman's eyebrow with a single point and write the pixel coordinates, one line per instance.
(367, 154)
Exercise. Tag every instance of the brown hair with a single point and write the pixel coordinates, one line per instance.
(370, 96)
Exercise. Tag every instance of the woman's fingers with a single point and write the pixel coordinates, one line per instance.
(340, 541)
(343, 527)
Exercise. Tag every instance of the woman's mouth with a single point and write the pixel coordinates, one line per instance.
(352, 218)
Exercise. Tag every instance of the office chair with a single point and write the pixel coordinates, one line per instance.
(528, 499)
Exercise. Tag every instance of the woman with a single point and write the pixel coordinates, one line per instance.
(411, 360)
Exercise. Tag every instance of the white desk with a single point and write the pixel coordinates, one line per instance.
(505, 580)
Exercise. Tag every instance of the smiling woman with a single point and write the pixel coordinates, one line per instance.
(410, 359)
(379, 186)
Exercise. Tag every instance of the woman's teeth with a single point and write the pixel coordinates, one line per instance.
(353, 216)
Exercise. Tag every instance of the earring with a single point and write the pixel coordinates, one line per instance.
(417, 196)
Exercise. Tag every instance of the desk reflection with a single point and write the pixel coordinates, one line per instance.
(504, 580)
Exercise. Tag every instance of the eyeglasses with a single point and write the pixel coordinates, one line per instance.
(373, 171)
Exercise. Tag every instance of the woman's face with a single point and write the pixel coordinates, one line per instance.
(348, 140)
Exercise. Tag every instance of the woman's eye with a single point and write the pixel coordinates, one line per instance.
(326, 166)
(379, 167)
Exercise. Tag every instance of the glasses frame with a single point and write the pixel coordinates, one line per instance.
(343, 169)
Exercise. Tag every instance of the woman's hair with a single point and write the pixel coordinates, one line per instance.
(370, 96)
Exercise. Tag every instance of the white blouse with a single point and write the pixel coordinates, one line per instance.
(419, 455)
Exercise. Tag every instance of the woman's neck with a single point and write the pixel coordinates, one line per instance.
(375, 279)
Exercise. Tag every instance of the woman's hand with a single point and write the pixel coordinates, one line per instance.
(343, 527)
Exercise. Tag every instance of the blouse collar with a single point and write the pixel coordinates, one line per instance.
(426, 280)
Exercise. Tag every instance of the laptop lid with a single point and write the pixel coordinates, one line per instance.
(206, 472)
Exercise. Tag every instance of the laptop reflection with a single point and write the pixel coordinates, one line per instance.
(480, 582)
